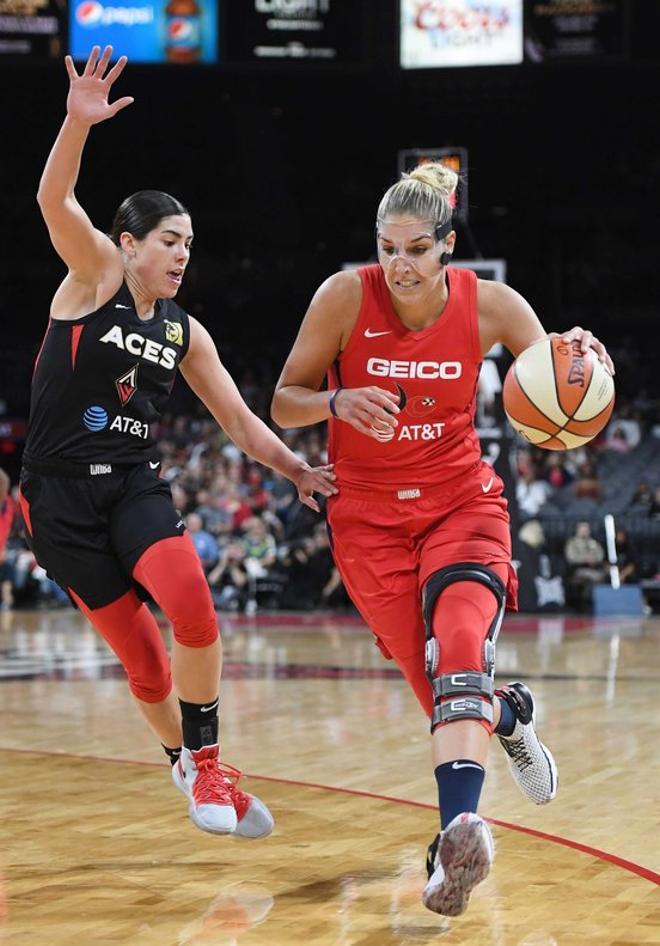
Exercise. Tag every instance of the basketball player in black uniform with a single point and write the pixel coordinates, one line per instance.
(99, 518)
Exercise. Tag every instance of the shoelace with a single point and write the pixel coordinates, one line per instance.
(211, 786)
(518, 753)
(240, 799)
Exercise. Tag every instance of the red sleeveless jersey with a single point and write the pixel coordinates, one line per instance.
(435, 372)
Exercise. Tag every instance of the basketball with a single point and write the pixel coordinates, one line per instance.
(557, 396)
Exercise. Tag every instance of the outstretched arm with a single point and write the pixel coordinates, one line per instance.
(215, 387)
(87, 252)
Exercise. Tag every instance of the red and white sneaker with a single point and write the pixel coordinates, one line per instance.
(216, 804)
(458, 859)
(198, 775)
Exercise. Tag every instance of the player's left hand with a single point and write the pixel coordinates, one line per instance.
(587, 340)
(318, 479)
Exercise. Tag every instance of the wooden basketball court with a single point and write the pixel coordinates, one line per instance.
(98, 849)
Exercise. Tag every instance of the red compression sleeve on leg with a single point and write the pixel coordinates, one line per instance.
(130, 629)
(172, 573)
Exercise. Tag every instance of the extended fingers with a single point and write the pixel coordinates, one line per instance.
(90, 65)
(70, 68)
(116, 70)
(102, 64)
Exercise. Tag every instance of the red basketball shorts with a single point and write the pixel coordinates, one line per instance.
(386, 545)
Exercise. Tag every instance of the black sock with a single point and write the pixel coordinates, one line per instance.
(172, 754)
(507, 721)
(200, 723)
(459, 788)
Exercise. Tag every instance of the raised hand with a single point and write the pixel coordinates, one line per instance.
(87, 101)
(319, 479)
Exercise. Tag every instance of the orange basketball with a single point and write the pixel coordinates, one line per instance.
(557, 396)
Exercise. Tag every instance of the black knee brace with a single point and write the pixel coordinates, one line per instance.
(477, 705)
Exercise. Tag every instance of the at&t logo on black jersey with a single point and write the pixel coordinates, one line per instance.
(96, 418)
(136, 344)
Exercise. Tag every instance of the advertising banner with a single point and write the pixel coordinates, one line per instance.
(178, 31)
(32, 28)
(576, 29)
(445, 33)
(294, 31)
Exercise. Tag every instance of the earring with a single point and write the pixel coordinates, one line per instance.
(445, 258)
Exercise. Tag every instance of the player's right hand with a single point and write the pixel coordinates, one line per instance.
(367, 409)
(87, 101)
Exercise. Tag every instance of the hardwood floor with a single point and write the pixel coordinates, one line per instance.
(97, 846)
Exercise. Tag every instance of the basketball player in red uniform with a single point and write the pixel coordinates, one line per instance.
(420, 529)
(99, 518)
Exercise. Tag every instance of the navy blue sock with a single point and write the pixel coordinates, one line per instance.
(507, 721)
(459, 787)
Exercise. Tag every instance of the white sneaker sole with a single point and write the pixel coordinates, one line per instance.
(465, 860)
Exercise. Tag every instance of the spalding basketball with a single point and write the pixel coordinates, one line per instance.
(557, 396)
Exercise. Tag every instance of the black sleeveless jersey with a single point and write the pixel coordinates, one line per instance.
(101, 380)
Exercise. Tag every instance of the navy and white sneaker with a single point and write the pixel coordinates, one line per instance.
(457, 860)
(531, 763)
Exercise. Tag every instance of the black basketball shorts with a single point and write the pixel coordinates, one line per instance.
(88, 524)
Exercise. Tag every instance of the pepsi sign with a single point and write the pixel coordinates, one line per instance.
(151, 31)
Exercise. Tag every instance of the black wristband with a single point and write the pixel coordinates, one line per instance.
(332, 401)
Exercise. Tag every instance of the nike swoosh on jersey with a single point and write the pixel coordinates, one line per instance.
(118, 305)
(154, 466)
(369, 334)
(486, 487)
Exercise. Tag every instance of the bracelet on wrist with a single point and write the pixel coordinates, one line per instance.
(333, 397)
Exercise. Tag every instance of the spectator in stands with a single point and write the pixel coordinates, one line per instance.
(234, 503)
(229, 578)
(531, 493)
(326, 580)
(627, 421)
(299, 590)
(256, 496)
(626, 558)
(642, 500)
(617, 439)
(205, 545)
(556, 474)
(217, 517)
(654, 508)
(587, 484)
(584, 557)
(260, 548)
(283, 495)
